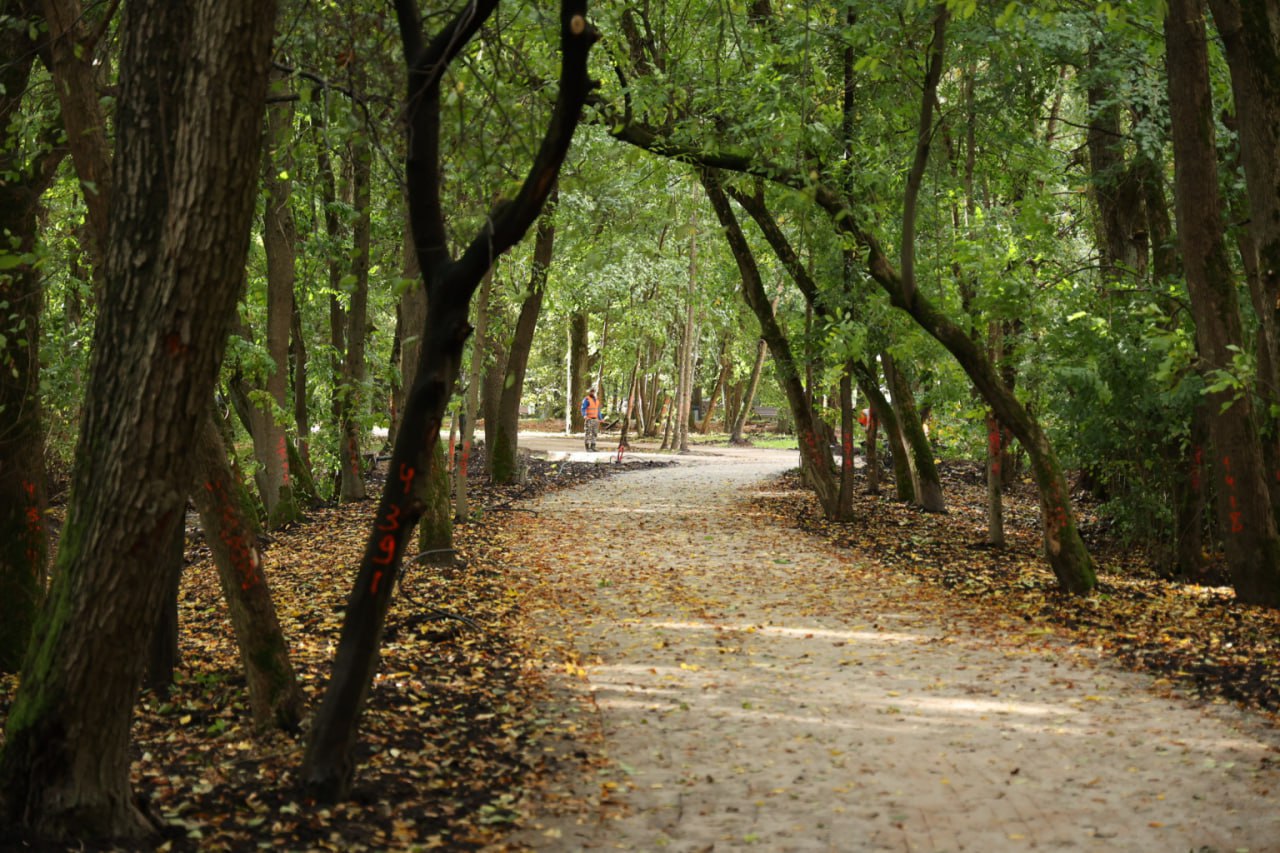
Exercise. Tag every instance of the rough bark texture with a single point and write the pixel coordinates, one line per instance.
(74, 65)
(928, 482)
(329, 764)
(275, 699)
(1245, 514)
(504, 451)
(1250, 31)
(189, 121)
(471, 403)
(351, 399)
(279, 237)
(577, 368)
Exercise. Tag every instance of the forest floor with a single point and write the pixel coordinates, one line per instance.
(688, 658)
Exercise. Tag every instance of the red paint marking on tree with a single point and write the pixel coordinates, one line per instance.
(1226, 462)
(387, 545)
(244, 559)
(406, 476)
(1232, 500)
(466, 457)
(1230, 481)
(392, 521)
(173, 345)
(452, 448)
(30, 488)
(283, 453)
(373, 587)
(1237, 526)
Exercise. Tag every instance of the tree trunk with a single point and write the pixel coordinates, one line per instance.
(162, 653)
(275, 700)
(504, 451)
(1250, 31)
(467, 420)
(280, 236)
(928, 482)
(721, 379)
(578, 352)
(883, 413)
(329, 763)
(844, 504)
(1245, 513)
(352, 396)
(74, 64)
(749, 397)
(181, 209)
(23, 539)
(301, 412)
(684, 391)
(816, 462)
(995, 482)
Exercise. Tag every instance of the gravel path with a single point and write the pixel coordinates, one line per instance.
(746, 687)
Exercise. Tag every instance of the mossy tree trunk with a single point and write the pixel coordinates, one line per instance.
(181, 209)
(275, 700)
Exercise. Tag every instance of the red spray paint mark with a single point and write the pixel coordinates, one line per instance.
(373, 587)
(387, 547)
(1236, 516)
(392, 521)
(993, 444)
(244, 558)
(1197, 462)
(406, 477)
(283, 453)
(466, 457)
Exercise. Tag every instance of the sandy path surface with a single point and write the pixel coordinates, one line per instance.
(750, 688)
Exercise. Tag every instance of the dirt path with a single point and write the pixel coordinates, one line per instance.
(751, 688)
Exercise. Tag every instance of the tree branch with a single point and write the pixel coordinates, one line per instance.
(924, 134)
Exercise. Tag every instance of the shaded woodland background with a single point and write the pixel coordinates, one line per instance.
(1038, 238)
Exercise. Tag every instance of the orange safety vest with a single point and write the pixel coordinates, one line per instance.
(592, 411)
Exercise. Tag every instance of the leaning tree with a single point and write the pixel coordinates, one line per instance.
(449, 282)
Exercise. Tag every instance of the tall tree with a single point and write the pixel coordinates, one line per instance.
(450, 283)
(1245, 512)
(503, 452)
(189, 122)
(23, 541)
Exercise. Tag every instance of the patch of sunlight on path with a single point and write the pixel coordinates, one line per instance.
(757, 690)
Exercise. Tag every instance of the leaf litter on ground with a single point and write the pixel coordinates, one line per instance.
(1195, 637)
(448, 741)
(451, 741)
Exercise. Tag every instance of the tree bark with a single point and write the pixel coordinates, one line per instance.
(181, 209)
(504, 451)
(280, 236)
(73, 62)
(162, 652)
(928, 482)
(1245, 512)
(471, 402)
(749, 396)
(816, 462)
(578, 352)
(329, 763)
(275, 700)
(352, 393)
(23, 538)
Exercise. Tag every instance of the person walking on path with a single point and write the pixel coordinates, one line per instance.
(591, 419)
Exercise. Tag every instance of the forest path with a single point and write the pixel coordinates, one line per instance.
(743, 686)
